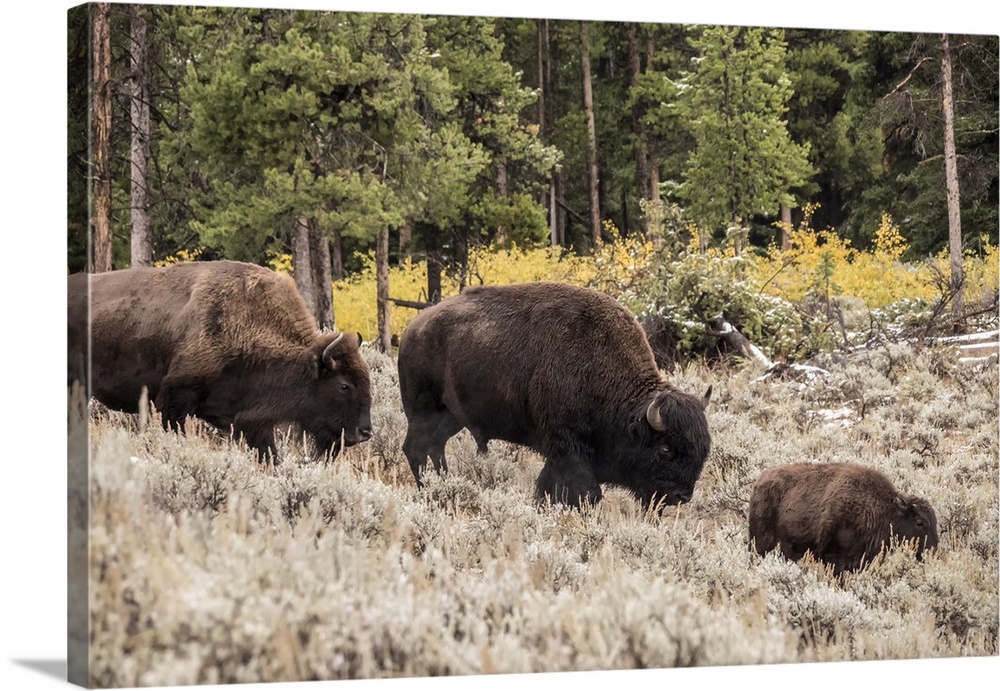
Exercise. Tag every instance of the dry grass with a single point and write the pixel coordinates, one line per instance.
(206, 568)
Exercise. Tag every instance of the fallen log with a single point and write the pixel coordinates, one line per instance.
(727, 333)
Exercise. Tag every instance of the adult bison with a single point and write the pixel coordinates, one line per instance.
(565, 371)
(844, 514)
(228, 342)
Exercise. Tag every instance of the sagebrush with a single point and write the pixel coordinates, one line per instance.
(208, 568)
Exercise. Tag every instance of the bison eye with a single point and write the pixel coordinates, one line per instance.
(920, 523)
(345, 387)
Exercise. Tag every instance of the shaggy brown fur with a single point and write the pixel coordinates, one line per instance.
(844, 514)
(565, 371)
(229, 342)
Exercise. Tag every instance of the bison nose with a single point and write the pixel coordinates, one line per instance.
(366, 433)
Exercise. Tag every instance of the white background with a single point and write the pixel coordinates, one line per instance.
(32, 331)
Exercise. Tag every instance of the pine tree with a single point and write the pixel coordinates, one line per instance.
(744, 163)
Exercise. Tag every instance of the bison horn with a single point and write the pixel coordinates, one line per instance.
(655, 418)
(328, 352)
(707, 397)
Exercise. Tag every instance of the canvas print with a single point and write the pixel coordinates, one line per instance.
(412, 345)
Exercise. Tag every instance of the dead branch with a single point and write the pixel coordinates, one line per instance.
(577, 217)
(908, 78)
(410, 303)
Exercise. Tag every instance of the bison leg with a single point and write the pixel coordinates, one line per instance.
(567, 483)
(259, 436)
(426, 436)
(793, 551)
(447, 428)
(263, 442)
(415, 448)
(761, 529)
(175, 402)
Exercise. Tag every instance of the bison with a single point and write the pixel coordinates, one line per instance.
(562, 370)
(844, 514)
(228, 342)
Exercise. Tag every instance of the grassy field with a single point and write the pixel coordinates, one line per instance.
(206, 568)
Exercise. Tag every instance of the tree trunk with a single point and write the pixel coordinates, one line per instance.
(142, 239)
(433, 243)
(338, 255)
(319, 254)
(544, 87)
(501, 233)
(540, 40)
(101, 88)
(638, 131)
(384, 339)
(786, 227)
(557, 186)
(588, 106)
(654, 152)
(405, 240)
(654, 176)
(951, 184)
(553, 215)
(302, 264)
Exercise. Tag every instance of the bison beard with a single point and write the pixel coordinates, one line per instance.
(565, 371)
(843, 514)
(228, 342)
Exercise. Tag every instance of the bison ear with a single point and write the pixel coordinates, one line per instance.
(707, 397)
(901, 504)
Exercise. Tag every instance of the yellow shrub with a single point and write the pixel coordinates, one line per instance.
(877, 277)
(614, 265)
(181, 256)
(983, 275)
(611, 268)
(280, 262)
(981, 272)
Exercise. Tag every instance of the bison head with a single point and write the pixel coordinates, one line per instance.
(670, 444)
(340, 405)
(914, 519)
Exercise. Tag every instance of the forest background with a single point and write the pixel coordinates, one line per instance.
(402, 157)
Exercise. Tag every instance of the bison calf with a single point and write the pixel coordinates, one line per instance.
(231, 343)
(565, 371)
(843, 513)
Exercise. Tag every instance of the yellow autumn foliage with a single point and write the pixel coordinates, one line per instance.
(180, 257)
(818, 262)
(820, 259)
(614, 264)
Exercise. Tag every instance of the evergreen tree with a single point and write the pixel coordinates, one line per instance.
(744, 163)
(830, 114)
(316, 120)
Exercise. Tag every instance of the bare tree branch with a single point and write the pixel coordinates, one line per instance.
(908, 78)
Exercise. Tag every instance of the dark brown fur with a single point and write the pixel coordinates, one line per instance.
(843, 513)
(225, 341)
(562, 370)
